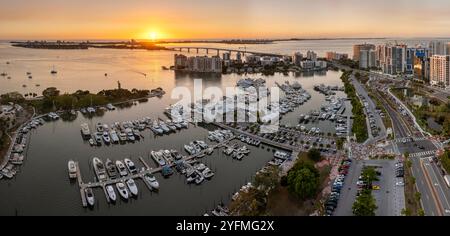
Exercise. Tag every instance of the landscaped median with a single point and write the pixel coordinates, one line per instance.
(359, 127)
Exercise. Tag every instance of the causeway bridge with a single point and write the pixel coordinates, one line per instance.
(218, 50)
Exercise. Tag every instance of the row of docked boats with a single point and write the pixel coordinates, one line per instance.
(199, 148)
(295, 96)
(166, 157)
(248, 140)
(195, 172)
(236, 152)
(220, 135)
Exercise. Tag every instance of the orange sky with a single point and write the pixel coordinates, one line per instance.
(180, 19)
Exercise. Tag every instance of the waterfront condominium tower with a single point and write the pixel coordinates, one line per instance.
(358, 47)
(392, 58)
(440, 70)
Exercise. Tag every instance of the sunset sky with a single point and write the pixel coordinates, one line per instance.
(208, 19)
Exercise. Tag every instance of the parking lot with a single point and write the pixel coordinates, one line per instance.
(389, 197)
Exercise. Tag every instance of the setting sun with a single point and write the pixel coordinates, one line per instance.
(153, 36)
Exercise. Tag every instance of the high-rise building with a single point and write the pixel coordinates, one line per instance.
(391, 58)
(440, 70)
(358, 47)
(331, 56)
(311, 55)
(297, 58)
(367, 59)
(226, 56)
(198, 63)
(421, 63)
(438, 48)
(239, 57)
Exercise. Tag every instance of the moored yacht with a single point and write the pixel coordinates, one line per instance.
(99, 169)
(121, 167)
(106, 137)
(111, 193)
(130, 166)
(111, 169)
(114, 136)
(157, 156)
(123, 191)
(85, 132)
(89, 196)
(132, 186)
(72, 169)
(151, 180)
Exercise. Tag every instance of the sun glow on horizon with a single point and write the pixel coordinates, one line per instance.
(153, 36)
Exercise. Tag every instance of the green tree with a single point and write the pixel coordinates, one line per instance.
(303, 180)
(364, 205)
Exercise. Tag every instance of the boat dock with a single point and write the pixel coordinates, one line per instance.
(147, 170)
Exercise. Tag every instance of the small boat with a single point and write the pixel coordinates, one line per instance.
(98, 138)
(207, 173)
(130, 166)
(151, 180)
(99, 169)
(209, 151)
(89, 196)
(132, 186)
(111, 193)
(130, 135)
(199, 179)
(176, 155)
(122, 137)
(111, 169)
(106, 137)
(114, 136)
(72, 169)
(191, 150)
(53, 71)
(91, 142)
(122, 169)
(200, 166)
(122, 190)
(157, 156)
(164, 127)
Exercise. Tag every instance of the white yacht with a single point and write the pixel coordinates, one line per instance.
(158, 157)
(85, 132)
(130, 166)
(111, 193)
(89, 196)
(106, 137)
(122, 137)
(132, 186)
(99, 169)
(151, 180)
(123, 191)
(114, 136)
(207, 173)
(122, 169)
(164, 127)
(72, 169)
(130, 135)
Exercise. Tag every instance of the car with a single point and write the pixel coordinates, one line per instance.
(400, 183)
(376, 187)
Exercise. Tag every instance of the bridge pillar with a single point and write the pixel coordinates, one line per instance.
(197, 50)
(207, 51)
(179, 49)
(218, 52)
(189, 50)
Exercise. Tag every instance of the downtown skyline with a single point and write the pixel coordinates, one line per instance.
(174, 19)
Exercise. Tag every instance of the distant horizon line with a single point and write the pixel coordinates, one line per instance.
(229, 39)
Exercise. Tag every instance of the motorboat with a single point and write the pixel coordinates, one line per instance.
(164, 127)
(176, 155)
(85, 132)
(157, 156)
(191, 150)
(168, 156)
(207, 173)
(156, 128)
(130, 135)
(99, 127)
(91, 142)
(151, 180)
(200, 166)
(106, 137)
(111, 193)
(98, 138)
(136, 134)
(89, 196)
(123, 191)
(114, 136)
(130, 166)
(99, 169)
(132, 186)
(171, 125)
(199, 179)
(111, 169)
(121, 167)
(122, 137)
(72, 169)
(209, 151)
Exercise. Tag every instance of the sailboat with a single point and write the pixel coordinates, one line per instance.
(53, 71)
